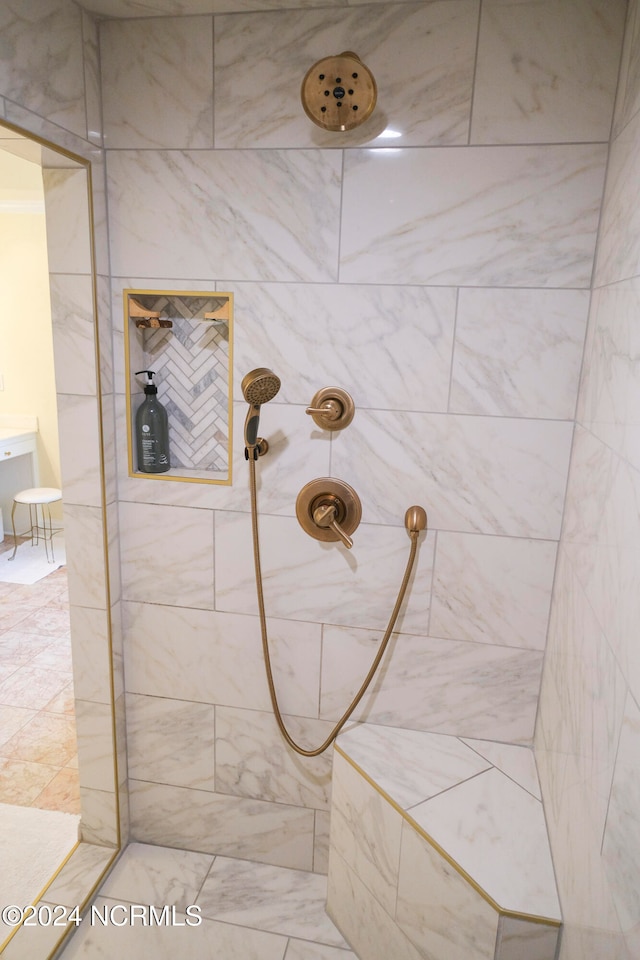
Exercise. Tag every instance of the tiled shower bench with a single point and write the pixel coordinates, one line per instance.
(439, 849)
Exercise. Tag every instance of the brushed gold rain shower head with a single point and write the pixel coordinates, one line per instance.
(339, 93)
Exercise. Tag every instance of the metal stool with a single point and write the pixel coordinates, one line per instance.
(37, 497)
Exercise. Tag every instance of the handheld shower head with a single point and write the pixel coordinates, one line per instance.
(258, 387)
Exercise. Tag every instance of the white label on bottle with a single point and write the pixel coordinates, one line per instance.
(145, 428)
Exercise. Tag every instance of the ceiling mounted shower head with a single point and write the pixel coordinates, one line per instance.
(339, 93)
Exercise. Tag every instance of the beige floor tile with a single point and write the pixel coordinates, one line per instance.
(13, 719)
(64, 702)
(62, 793)
(48, 738)
(21, 782)
(32, 687)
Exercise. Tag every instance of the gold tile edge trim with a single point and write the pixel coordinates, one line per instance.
(69, 927)
(87, 166)
(501, 911)
(103, 496)
(137, 474)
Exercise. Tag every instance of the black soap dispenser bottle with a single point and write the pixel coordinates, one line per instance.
(152, 430)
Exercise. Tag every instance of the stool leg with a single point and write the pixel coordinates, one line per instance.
(34, 526)
(13, 527)
(50, 538)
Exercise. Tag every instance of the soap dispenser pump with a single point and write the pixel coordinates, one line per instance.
(152, 430)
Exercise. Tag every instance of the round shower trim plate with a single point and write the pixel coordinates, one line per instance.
(339, 93)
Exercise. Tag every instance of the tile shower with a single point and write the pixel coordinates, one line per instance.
(456, 317)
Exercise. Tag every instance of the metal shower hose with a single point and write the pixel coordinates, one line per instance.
(413, 534)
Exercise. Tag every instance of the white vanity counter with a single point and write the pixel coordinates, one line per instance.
(18, 458)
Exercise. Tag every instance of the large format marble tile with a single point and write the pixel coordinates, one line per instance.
(321, 842)
(443, 686)
(536, 81)
(169, 63)
(492, 589)
(579, 941)
(42, 67)
(304, 950)
(100, 810)
(91, 660)
(618, 246)
(511, 863)
(68, 223)
(518, 352)
(84, 869)
(583, 693)
(274, 833)
(322, 582)
(610, 389)
(96, 746)
(502, 216)
(366, 829)
(410, 765)
(364, 922)
(220, 658)
(309, 334)
(92, 91)
(602, 537)
(621, 842)
(520, 940)
(575, 836)
(73, 333)
(79, 440)
(437, 908)
(207, 941)
(289, 902)
(157, 875)
(518, 763)
(166, 555)
(298, 451)
(287, 230)
(84, 538)
(253, 760)
(170, 741)
(420, 54)
(515, 485)
(628, 98)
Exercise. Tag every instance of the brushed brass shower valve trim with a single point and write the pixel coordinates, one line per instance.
(332, 408)
(329, 509)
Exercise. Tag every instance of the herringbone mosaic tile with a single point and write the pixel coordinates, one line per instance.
(191, 365)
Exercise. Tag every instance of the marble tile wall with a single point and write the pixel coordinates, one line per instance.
(435, 262)
(588, 733)
(51, 86)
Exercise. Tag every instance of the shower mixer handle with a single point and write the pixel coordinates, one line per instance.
(326, 516)
(332, 408)
(329, 509)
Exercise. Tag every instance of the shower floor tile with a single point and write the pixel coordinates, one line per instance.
(250, 911)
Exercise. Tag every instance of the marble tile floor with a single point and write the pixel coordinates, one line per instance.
(250, 911)
(38, 751)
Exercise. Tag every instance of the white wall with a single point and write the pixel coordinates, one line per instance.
(436, 263)
(26, 341)
(588, 734)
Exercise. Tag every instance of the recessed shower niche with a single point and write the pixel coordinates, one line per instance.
(185, 340)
